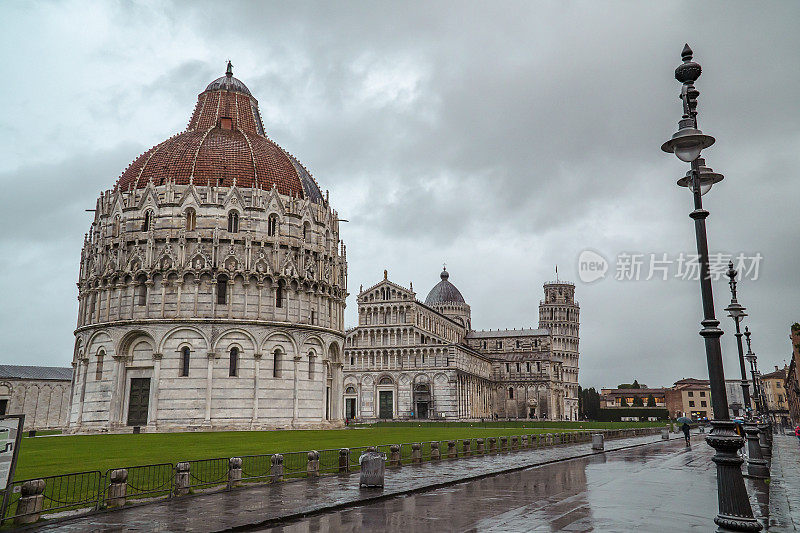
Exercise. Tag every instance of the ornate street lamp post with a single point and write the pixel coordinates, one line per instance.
(756, 465)
(751, 358)
(737, 312)
(765, 429)
(735, 513)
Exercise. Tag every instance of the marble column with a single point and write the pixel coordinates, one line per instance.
(211, 356)
(256, 386)
(152, 417)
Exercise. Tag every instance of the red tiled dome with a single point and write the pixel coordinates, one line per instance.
(223, 145)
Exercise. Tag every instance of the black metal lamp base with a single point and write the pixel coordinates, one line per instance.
(735, 513)
(757, 466)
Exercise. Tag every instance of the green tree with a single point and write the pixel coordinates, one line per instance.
(638, 402)
(651, 402)
(623, 402)
(588, 403)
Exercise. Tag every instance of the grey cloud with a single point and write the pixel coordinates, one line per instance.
(504, 138)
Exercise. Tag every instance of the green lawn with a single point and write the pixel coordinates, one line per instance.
(47, 456)
(544, 424)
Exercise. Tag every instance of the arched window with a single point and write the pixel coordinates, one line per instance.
(276, 363)
(311, 361)
(272, 225)
(115, 229)
(386, 381)
(185, 353)
(313, 317)
(233, 365)
(191, 219)
(98, 374)
(511, 393)
(279, 295)
(148, 220)
(141, 288)
(233, 222)
(222, 290)
(306, 230)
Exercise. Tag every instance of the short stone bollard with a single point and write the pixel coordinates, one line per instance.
(416, 453)
(524, 441)
(665, 434)
(373, 465)
(492, 445)
(312, 468)
(503, 444)
(29, 505)
(467, 447)
(452, 452)
(117, 488)
(514, 440)
(344, 460)
(234, 472)
(479, 447)
(394, 456)
(182, 479)
(436, 453)
(276, 469)
(597, 442)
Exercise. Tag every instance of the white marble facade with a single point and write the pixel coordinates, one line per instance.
(214, 303)
(412, 360)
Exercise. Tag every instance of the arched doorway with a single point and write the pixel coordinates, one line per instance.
(422, 400)
(386, 398)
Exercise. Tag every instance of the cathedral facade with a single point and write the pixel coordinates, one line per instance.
(412, 360)
(212, 285)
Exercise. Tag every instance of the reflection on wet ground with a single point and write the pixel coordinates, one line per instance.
(653, 488)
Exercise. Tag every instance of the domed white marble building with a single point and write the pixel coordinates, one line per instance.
(212, 285)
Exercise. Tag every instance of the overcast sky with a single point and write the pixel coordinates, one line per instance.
(501, 138)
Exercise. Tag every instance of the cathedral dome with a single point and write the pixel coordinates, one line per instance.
(444, 292)
(224, 145)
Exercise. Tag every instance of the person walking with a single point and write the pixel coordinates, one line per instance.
(797, 432)
(685, 429)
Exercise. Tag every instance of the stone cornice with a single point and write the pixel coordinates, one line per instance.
(225, 321)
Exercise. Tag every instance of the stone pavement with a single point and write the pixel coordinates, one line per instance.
(660, 486)
(784, 486)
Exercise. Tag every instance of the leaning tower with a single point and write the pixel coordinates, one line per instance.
(560, 313)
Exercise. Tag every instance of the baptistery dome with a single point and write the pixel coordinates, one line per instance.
(224, 145)
(212, 285)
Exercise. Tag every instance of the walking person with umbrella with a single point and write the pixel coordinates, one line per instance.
(684, 422)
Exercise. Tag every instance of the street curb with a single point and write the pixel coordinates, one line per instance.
(272, 522)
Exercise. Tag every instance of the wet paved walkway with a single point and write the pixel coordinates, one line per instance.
(662, 486)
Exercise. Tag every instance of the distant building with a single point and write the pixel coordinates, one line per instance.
(776, 395)
(792, 383)
(41, 393)
(733, 390)
(412, 360)
(611, 398)
(690, 397)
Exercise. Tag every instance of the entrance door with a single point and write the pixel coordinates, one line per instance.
(138, 402)
(422, 409)
(385, 404)
(350, 408)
